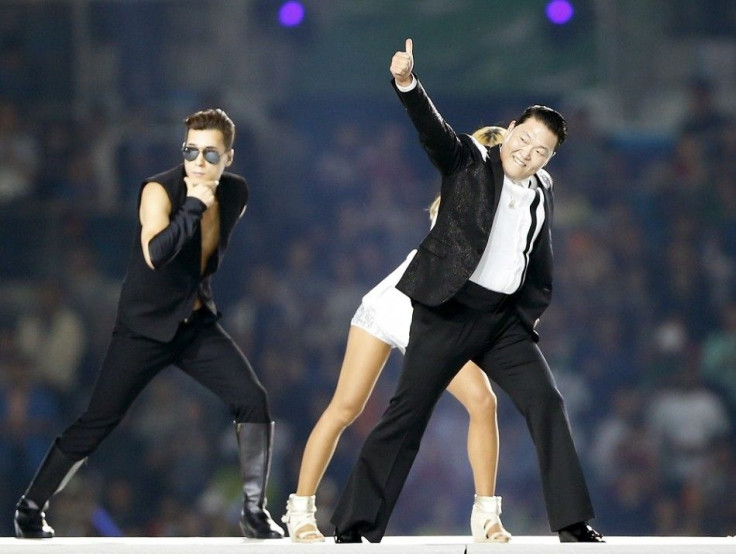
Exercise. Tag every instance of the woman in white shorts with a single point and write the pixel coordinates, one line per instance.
(380, 324)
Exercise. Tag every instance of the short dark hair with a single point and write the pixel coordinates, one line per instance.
(552, 119)
(213, 119)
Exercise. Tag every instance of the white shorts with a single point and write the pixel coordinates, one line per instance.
(385, 312)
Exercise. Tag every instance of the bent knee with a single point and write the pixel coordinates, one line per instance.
(481, 402)
(252, 407)
(548, 401)
(344, 413)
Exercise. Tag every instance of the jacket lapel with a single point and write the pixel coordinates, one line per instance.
(497, 169)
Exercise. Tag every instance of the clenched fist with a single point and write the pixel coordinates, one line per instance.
(402, 63)
(204, 191)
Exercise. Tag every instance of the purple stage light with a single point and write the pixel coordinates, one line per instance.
(560, 12)
(291, 14)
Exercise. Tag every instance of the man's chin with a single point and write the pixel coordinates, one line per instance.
(515, 173)
(518, 176)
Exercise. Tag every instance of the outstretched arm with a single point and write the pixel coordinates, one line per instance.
(437, 137)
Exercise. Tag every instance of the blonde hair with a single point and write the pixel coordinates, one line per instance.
(490, 135)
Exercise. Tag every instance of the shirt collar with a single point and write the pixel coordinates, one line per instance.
(528, 183)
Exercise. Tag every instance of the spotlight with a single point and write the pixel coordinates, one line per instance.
(560, 12)
(291, 14)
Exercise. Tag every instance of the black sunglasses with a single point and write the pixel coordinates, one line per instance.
(191, 153)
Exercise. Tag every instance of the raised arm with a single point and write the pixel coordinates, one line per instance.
(437, 137)
(402, 65)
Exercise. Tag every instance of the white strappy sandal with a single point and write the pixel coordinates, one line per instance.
(485, 520)
(300, 519)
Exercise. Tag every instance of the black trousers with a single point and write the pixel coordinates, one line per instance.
(441, 341)
(201, 348)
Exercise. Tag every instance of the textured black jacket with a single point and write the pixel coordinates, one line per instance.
(472, 179)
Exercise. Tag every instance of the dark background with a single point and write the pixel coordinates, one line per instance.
(641, 335)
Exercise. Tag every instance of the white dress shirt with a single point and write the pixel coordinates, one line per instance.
(516, 224)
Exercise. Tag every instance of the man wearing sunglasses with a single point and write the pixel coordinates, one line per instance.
(167, 316)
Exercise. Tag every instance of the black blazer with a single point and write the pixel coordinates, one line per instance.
(154, 302)
(472, 179)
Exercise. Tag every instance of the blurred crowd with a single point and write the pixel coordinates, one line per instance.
(641, 334)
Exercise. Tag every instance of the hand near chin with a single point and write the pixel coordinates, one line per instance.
(202, 190)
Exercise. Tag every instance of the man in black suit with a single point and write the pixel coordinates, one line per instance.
(167, 316)
(479, 282)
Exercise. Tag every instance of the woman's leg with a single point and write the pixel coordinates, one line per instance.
(473, 389)
(365, 356)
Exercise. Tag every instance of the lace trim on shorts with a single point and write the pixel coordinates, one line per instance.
(366, 319)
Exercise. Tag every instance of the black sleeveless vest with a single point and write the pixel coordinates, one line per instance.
(154, 302)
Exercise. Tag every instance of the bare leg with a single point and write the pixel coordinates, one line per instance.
(472, 388)
(365, 356)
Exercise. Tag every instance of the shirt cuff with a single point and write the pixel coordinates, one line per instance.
(408, 87)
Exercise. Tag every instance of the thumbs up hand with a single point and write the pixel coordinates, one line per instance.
(402, 64)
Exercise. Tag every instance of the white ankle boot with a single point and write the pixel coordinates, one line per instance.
(300, 519)
(485, 520)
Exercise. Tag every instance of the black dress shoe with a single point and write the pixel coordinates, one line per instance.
(30, 521)
(349, 536)
(579, 532)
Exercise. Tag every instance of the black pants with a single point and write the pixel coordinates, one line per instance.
(201, 348)
(441, 341)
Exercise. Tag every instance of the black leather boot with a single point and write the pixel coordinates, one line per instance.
(54, 473)
(254, 446)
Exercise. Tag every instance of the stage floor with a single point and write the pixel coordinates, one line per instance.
(390, 545)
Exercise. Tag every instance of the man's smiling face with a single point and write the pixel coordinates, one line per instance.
(527, 148)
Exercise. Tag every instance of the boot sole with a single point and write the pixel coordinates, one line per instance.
(21, 535)
(250, 534)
